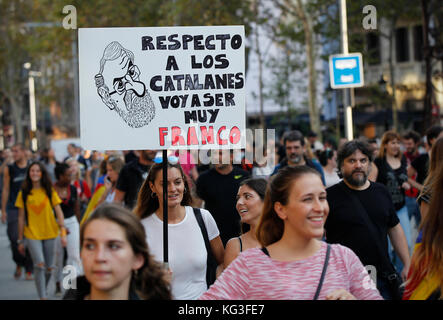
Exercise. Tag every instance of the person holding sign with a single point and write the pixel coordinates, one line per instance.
(187, 249)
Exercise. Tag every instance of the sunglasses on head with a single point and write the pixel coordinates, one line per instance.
(171, 159)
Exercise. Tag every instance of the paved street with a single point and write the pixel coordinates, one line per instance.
(11, 289)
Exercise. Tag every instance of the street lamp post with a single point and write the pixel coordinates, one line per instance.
(348, 94)
(32, 109)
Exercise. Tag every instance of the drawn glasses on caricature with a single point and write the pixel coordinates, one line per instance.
(119, 85)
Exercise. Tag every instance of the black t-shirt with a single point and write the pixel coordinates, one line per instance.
(219, 193)
(345, 224)
(420, 164)
(16, 177)
(130, 180)
(393, 179)
(68, 204)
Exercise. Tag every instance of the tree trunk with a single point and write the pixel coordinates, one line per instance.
(392, 76)
(312, 73)
(427, 103)
(260, 66)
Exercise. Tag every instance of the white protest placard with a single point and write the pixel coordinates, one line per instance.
(162, 88)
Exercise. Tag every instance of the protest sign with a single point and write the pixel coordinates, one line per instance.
(162, 88)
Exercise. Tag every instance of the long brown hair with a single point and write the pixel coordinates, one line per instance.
(387, 137)
(435, 166)
(147, 203)
(427, 259)
(149, 281)
(45, 182)
(270, 228)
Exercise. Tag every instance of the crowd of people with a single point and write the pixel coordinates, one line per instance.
(319, 221)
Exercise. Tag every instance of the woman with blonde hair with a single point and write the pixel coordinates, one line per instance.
(391, 170)
(106, 192)
(293, 263)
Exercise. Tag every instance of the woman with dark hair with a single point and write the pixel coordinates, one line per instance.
(249, 205)
(70, 206)
(116, 260)
(293, 263)
(187, 250)
(391, 170)
(37, 202)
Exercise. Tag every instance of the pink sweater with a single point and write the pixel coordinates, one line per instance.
(255, 276)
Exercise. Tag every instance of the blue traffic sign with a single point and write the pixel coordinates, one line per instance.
(346, 70)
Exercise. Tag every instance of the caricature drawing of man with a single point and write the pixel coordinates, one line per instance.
(119, 86)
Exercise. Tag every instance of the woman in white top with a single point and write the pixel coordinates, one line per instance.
(328, 160)
(186, 247)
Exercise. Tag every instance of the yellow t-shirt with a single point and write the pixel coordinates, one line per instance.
(42, 224)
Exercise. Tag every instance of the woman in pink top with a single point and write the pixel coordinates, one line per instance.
(292, 260)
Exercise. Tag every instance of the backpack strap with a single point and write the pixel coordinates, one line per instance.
(204, 231)
(24, 198)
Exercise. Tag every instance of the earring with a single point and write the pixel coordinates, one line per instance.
(154, 195)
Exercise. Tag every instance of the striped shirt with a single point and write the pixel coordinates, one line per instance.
(255, 276)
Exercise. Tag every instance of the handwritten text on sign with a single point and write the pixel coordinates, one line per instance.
(182, 85)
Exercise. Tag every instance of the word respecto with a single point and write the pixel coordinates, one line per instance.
(198, 42)
(199, 136)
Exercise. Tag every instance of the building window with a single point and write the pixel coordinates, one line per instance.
(418, 43)
(402, 44)
(373, 47)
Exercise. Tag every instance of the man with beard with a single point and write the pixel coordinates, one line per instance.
(119, 86)
(218, 187)
(362, 216)
(294, 144)
(131, 178)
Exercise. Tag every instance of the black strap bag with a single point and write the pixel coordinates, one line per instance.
(211, 262)
(323, 273)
